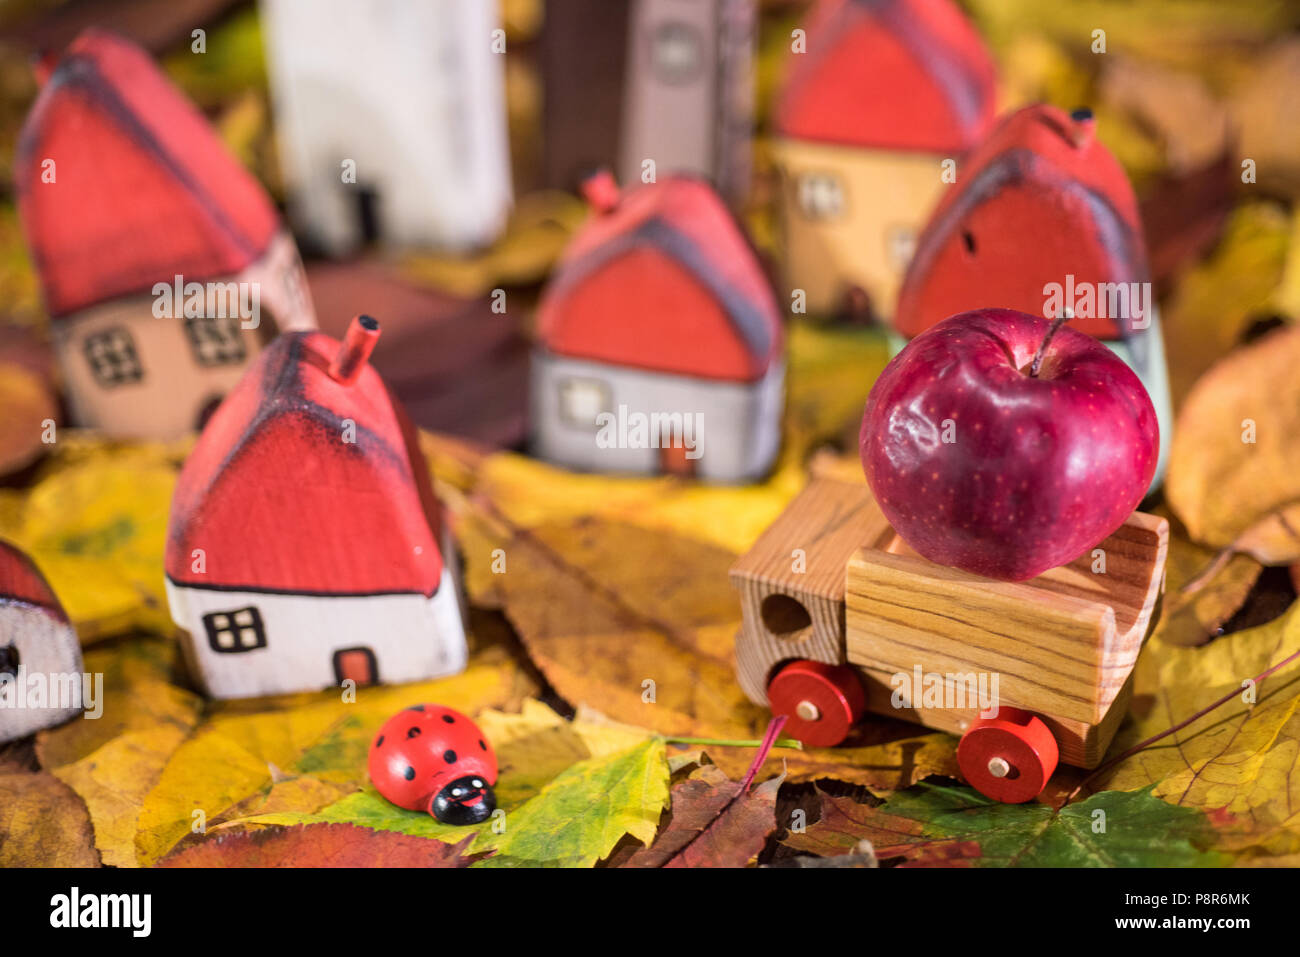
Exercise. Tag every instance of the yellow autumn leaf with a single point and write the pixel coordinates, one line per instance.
(1243, 758)
(599, 736)
(580, 816)
(96, 526)
(539, 229)
(229, 758)
(1216, 300)
(114, 759)
(1287, 295)
(1184, 34)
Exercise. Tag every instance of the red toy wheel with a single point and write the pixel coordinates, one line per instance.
(821, 702)
(1008, 758)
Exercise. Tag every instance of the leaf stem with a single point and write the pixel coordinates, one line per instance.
(733, 743)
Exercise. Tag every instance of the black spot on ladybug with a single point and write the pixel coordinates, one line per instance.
(416, 707)
(449, 756)
(380, 742)
(481, 744)
(449, 719)
(409, 773)
(968, 239)
(413, 733)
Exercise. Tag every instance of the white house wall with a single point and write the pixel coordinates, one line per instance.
(741, 421)
(413, 638)
(46, 646)
(411, 92)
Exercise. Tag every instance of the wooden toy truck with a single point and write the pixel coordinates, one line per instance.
(841, 618)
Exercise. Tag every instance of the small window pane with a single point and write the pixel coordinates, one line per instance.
(112, 357)
(235, 631)
(215, 341)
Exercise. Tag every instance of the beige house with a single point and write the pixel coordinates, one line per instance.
(163, 263)
(874, 112)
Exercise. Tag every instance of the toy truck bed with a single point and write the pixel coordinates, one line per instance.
(1062, 645)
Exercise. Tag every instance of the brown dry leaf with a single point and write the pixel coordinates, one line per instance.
(319, 845)
(1188, 120)
(28, 405)
(1264, 117)
(881, 754)
(43, 824)
(1195, 617)
(1226, 489)
(1215, 302)
(633, 622)
(113, 761)
(1241, 762)
(844, 822)
(711, 823)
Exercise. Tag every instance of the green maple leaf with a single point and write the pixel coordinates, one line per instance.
(579, 816)
(1133, 829)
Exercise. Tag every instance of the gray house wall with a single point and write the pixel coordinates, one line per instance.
(739, 440)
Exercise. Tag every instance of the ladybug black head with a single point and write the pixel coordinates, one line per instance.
(467, 800)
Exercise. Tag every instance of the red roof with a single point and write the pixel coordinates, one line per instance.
(1041, 199)
(279, 501)
(665, 280)
(143, 188)
(897, 74)
(21, 581)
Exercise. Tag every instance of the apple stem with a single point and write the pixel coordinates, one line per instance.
(1042, 348)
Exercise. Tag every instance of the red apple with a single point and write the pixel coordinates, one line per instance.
(983, 463)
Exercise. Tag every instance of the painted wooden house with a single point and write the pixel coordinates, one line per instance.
(665, 80)
(38, 650)
(1044, 220)
(391, 120)
(582, 58)
(885, 92)
(689, 91)
(305, 545)
(163, 263)
(659, 343)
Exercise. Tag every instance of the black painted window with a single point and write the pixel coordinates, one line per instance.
(230, 632)
(112, 357)
(215, 341)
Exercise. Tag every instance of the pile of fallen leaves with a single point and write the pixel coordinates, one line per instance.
(602, 624)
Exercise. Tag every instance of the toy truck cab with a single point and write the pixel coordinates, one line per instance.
(841, 618)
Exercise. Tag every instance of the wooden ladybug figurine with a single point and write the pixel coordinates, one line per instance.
(431, 758)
